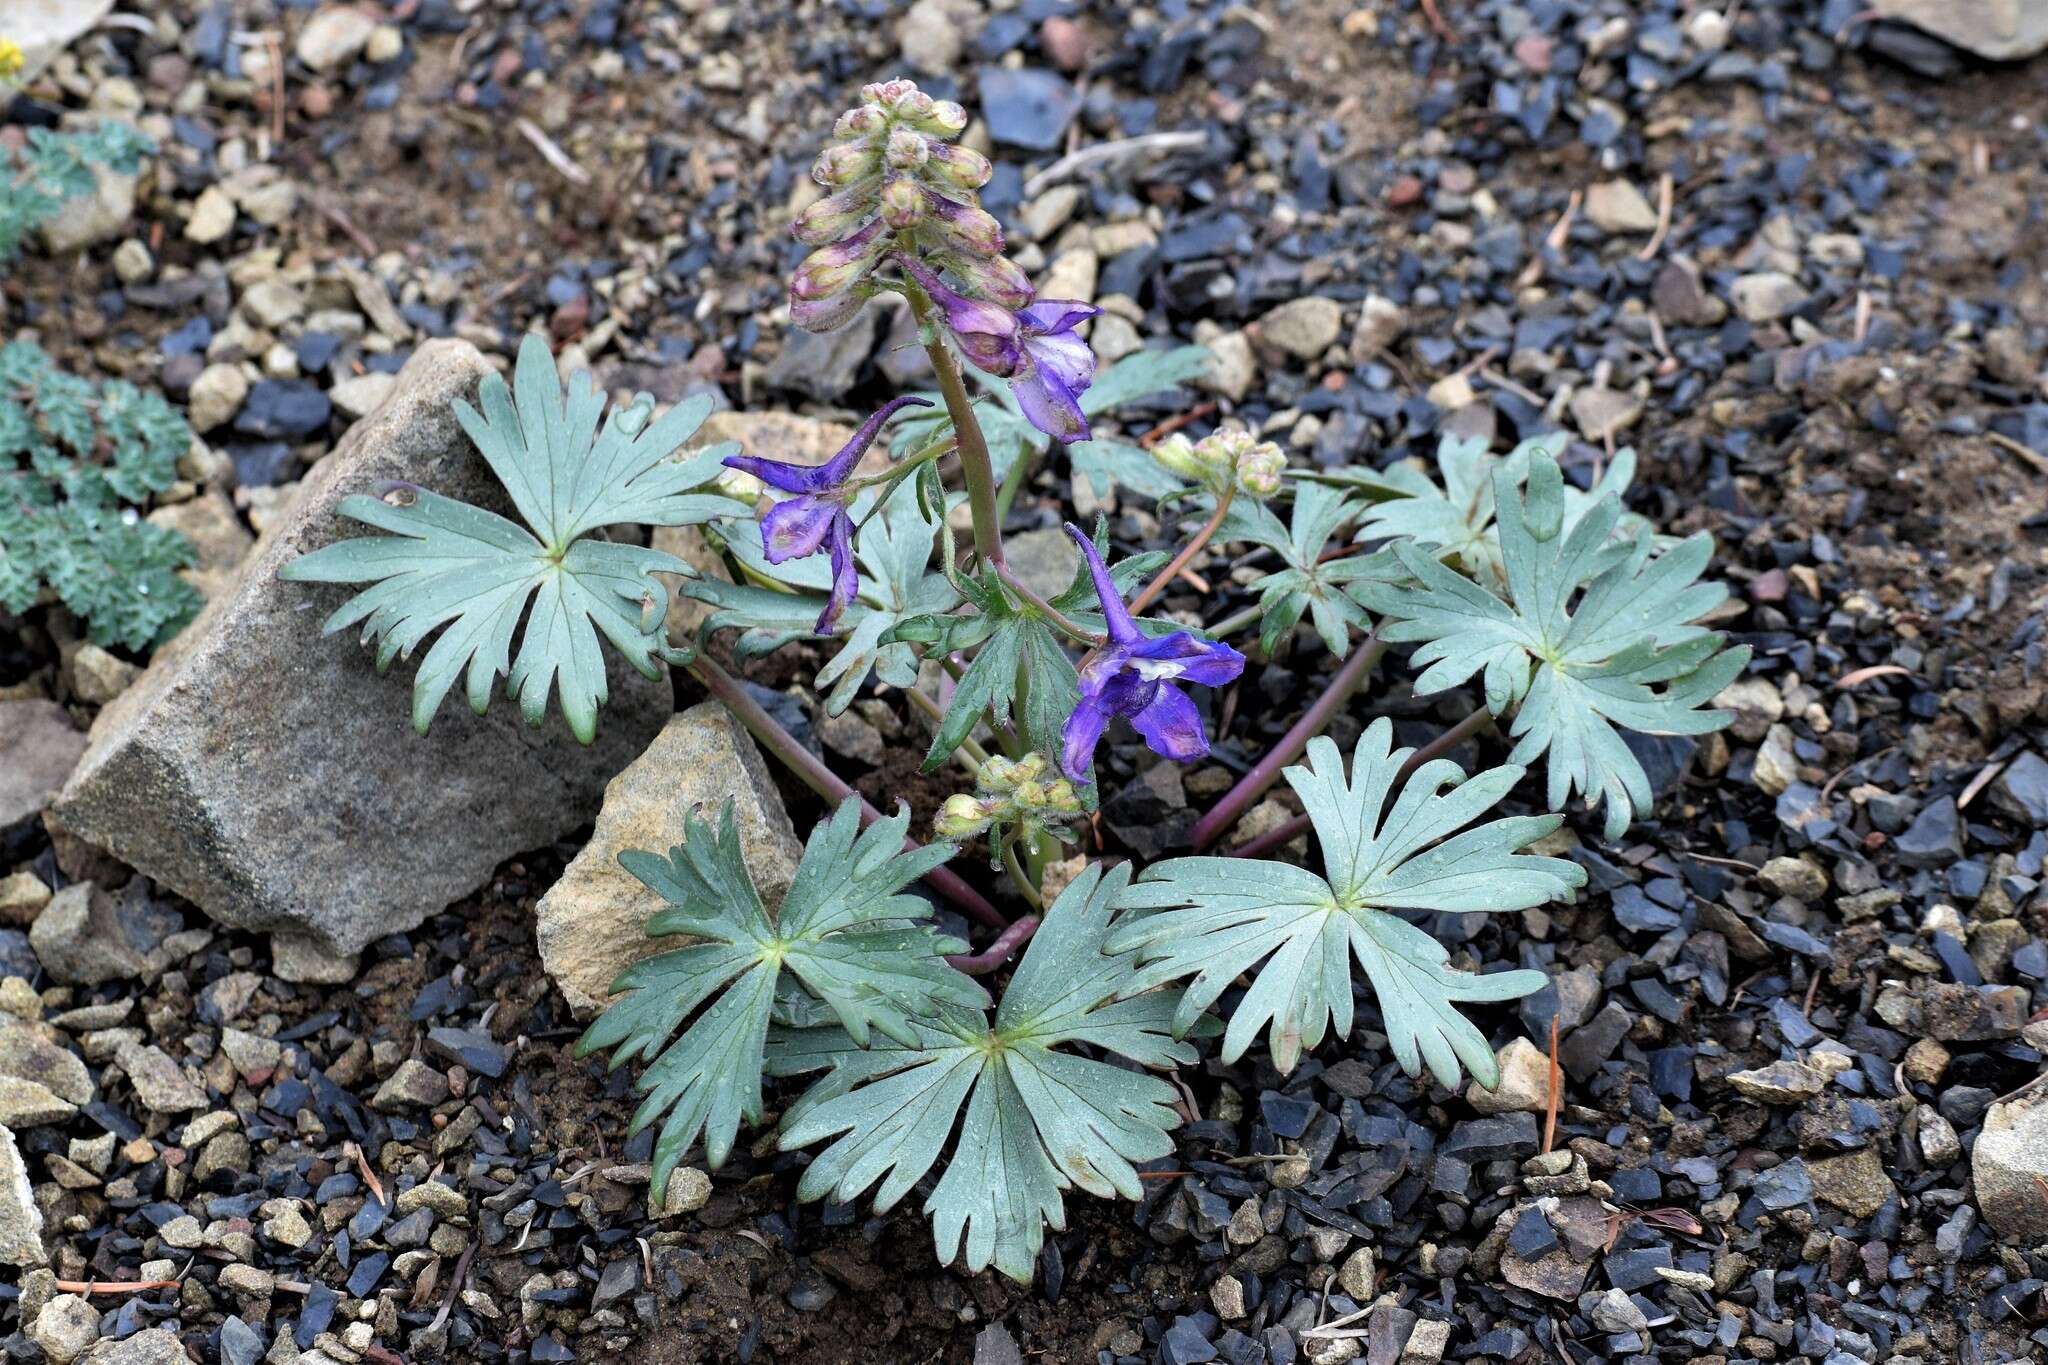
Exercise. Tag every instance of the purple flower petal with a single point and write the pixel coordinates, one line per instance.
(1078, 739)
(805, 478)
(845, 579)
(1123, 632)
(1050, 406)
(1049, 316)
(1182, 657)
(987, 334)
(1172, 726)
(1066, 357)
(797, 528)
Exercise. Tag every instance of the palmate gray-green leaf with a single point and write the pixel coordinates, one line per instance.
(1036, 1119)
(449, 564)
(1578, 639)
(847, 935)
(1212, 919)
(1308, 585)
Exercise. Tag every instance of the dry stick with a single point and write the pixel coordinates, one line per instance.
(1006, 945)
(1313, 722)
(550, 152)
(1667, 191)
(1436, 748)
(1555, 1081)
(1187, 553)
(813, 773)
(1110, 151)
(2027, 453)
(113, 1286)
(1175, 423)
(1559, 235)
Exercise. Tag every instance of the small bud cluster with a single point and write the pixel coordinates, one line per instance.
(1025, 791)
(1223, 459)
(898, 183)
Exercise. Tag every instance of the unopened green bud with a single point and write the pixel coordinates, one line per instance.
(845, 163)
(943, 119)
(1031, 767)
(858, 124)
(1177, 455)
(966, 227)
(961, 166)
(904, 203)
(835, 216)
(1030, 795)
(995, 278)
(834, 268)
(960, 817)
(1259, 469)
(1061, 796)
(890, 93)
(739, 485)
(907, 150)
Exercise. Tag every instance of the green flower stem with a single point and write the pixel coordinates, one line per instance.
(970, 753)
(1231, 625)
(1450, 739)
(1026, 886)
(1007, 946)
(1045, 608)
(1013, 479)
(1187, 553)
(908, 464)
(1266, 771)
(811, 770)
(975, 469)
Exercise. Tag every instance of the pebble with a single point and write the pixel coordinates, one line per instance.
(160, 1084)
(334, 36)
(1768, 296)
(1617, 206)
(213, 217)
(66, 1328)
(1779, 1083)
(1304, 328)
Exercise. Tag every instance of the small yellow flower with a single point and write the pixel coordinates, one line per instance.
(11, 59)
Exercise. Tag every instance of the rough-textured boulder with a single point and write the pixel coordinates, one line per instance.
(2009, 1163)
(592, 923)
(1998, 30)
(267, 772)
(39, 746)
(21, 1221)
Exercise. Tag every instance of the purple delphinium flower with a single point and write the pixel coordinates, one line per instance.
(1035, 348)
(816, 519)
(1133, 676)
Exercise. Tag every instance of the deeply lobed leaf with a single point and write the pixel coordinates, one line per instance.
(448, 564)
(846, 934)
(1021, 1119)
(1577, 639)
(1210, 920)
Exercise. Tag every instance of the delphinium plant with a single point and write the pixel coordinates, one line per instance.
(1580, 624)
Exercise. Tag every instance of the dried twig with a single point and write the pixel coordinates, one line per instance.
(114, 1286)
(1979, 783)
(551, 153)
(1073, 162)
(2031, 456)
(1559, 234)
(1555, 1078)
(1436, 21)
(334, 215)
(1849, 680)
(1667, 192)
(349, 1149)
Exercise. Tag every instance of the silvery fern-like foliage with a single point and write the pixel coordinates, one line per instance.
(847, 935)
(1210, 920)
(1587, 635)
(1037, 1117)
(76, 459)
(447, 563)
(1455, 517)
(1307, 584)
(1103, 461)
(894, 554)
(54, 167)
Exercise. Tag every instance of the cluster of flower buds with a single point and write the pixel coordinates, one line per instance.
(1024, 791)
(897, 183)
(1225, 459)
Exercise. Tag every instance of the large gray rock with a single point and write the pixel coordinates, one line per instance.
(44, 28)
(1998, 30)
(21, 1222)
(2009, 1164)
(267, 773)
(592, 924)
(39, 746)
